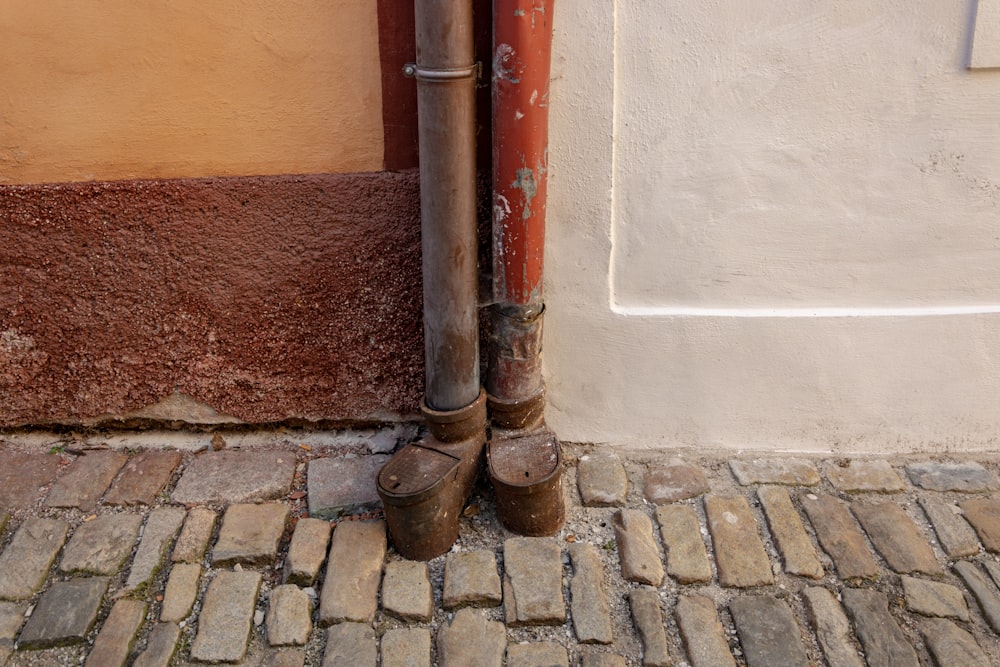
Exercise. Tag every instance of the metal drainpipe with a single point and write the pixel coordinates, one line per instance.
(522, 39)
(445, 72)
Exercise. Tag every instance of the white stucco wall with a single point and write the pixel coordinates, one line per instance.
(773, 226)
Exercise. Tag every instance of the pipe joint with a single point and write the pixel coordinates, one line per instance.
(456, 425)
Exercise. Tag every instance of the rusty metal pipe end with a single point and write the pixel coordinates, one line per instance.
(456, 425)
(519, 414)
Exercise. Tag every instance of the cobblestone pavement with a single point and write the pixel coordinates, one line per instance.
(278, 557)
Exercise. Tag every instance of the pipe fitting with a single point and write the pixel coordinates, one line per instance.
(519, 414)
(456, 425)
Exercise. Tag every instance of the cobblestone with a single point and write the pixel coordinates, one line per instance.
(839, 536)
(11, 619)
(102, 545)
(159, 531)
(952, 646)
(739, 553)
(789, 534)
(637, 550)
(307, 551)
(143, 478)
(181, 592)
(114, 642)
(954, 533)
(833, 631)
(787, 471)
(865, 476)
(984, 515)
(703, 634)
(884, 642)
(969, 477)
(537, 654)
(934, 598)
(532, 583)
(471, 641)
(226, 617)
(406, 647)
(250, 534)
(353, 572)
(350, 645)
(589, 602)
(289, 616)
(160, 647)
(406, 591)
(768, 632)
(64, 614)
(22, 477)
(29, 556)
(982, 591)
(195, 535)
(86, 480)
(602, 660)
(897, 538)
(648, 620)
(601, 480)
(687, 559)
(210, 478)
(471, 580)
(671, 483)
(342, 486)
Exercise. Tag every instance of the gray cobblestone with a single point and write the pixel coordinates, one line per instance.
(787, 471)
(768, 632)
(832, 628)
(537, 654)
(739, 553)
(406, 591)
(350, 645)
(195, 535)
(897, 538)
(353, 572)
(954, 533)
(161, 527)
(950, 645)
(406, 647)
(789, 534)
(65, 613)
(289, 616)
(703, 634)
(670, 483)
(471, 640)
(687, 558)
(934, 598)
(839, 536)
(226, 617)
(160, 647)
(601, 480)
(865, 476)
(181, 592)
(969, 477)
(250, 534)
(471, 579)
(114, 642)
(884, 642)
(588, 599)
(307, 551)
(532, 583)
(86, 480)
(637, 550)
(29, 556)
(984, 515)
(102, 545)
(648, 620)
(237, 476)
(982, 591)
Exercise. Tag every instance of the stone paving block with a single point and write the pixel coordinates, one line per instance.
(350, 645)
(992, 569)
(884, 642)
(226, 617)
(143, 477)
(22, 477)
(286, 657)
(471, 580)
(11, 619)
(160, 647)
(339, 486)
(768, 632)
(982, 590)
(954, 533)
(102, 545)
(114, 642)
(787, 471)
(588, 599)
(250, 534)
(307, 551)
(670, 483)
(161, 527)
(739, 553)
(289, 616)
(471, 641)
(832, 628)
(703, 634)
(602, 660)
(934, 598)
(406, 647)
(181, 592)
(984, 515)
(897, 538)
(86, 480)
(969, 477)
(406, 591)
(637, 550)
(4, 518)
(353, 572)
(865, 476)
(789, 534)
(648, 621)
(235, 476)
(680, 531)
(27, 559)
(601, 480)
(64, 614)
(537, 654)
(840, 536)
(532, 582)
(195, 536)
(950, 645)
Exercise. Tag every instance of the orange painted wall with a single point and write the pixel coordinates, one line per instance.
(123, 89)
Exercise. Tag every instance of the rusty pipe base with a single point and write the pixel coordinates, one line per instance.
(523, 414)
(456, 425)
(424, 488)
(526, 472)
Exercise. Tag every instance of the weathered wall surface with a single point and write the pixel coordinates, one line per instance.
(773, 227)
(265, 298)
(112, 89)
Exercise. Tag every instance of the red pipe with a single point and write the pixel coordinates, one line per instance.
(522, 40)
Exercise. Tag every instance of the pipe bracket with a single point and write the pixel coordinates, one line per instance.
(442, 74)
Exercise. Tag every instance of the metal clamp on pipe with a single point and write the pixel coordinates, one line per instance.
(436, 74)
